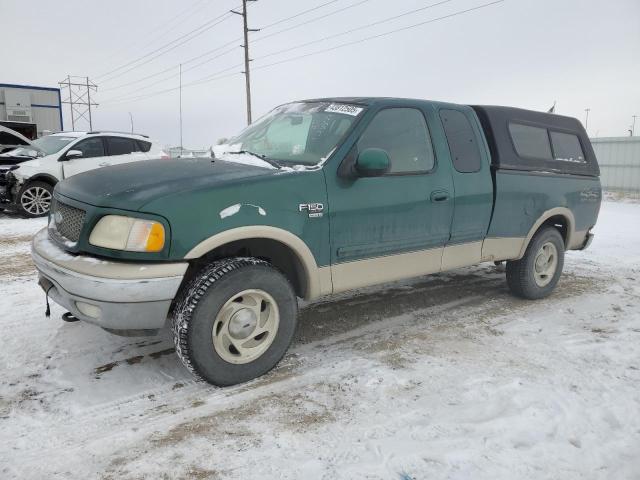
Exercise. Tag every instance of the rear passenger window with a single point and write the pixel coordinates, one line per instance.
(403, 134)
(462, 141)
(566, 147)
(121, 146)
(532, 142)
(143, 146)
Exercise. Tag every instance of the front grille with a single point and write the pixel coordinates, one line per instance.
(67, 220)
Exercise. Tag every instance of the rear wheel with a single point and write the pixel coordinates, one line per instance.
(34, 199)
(234, 321)
(537, 273)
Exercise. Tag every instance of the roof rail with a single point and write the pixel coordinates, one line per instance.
(115, 131)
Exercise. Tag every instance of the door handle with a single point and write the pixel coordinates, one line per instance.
(439, 196)
(104, 164)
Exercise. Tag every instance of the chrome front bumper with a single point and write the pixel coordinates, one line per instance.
(119, 296)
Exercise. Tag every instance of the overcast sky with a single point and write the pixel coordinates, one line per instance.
(525, 53)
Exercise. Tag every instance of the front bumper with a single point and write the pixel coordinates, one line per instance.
(118, 296)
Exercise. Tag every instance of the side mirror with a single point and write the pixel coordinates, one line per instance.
(71, 154)
(373, 162)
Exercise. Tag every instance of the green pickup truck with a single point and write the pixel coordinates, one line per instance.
(317, 197)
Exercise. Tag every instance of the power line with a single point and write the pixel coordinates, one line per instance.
(189, 11)
(282, 20)
(214, 77)
(208, 79)
(185, 38)
(352, 30)
(172, 68)
(295, 47)
(307, 22)
(193, 34)
(379, 35)
(281, 31)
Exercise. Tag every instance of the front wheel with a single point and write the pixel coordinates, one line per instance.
(536, 274)
(234, 321)
(34, 199)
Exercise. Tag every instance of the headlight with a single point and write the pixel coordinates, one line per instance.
(125, 233)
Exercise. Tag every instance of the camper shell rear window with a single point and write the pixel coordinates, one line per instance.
(535, 141)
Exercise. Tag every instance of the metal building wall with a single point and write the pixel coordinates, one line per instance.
(46, 108)
(619, 160)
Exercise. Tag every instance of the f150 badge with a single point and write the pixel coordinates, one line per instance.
(313, 209)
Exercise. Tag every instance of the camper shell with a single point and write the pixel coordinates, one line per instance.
(535, 141)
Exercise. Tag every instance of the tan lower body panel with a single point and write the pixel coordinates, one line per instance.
(503, 248)
(324, 282)
(462, 255)
(374, 271)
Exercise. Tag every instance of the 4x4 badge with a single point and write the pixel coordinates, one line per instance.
(313, 209)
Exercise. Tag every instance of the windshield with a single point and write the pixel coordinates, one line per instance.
(44, 146)
(298, 133)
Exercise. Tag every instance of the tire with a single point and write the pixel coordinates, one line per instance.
(537, 273)
(216, 317)
(34, 199)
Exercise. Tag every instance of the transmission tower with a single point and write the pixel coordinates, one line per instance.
(79, 91)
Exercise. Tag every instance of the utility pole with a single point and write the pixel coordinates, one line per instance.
(633, 125)
(131, 119)
(247, 74)
(181, 110)
(586, 120)
(79, 99)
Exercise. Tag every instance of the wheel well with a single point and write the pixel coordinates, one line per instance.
(561, 223)
(42, 178)
(276, 253)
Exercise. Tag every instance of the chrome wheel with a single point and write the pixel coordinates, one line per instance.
(245, 326)
(545, 264)
(36, 200)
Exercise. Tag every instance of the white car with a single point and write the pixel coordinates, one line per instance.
(28, 174)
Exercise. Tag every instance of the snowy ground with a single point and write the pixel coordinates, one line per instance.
(443, 377)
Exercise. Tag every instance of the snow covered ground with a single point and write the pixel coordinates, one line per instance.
(445, 376)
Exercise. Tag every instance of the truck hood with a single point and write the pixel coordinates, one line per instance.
(131, 186)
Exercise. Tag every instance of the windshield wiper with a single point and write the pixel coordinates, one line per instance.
(270, 161)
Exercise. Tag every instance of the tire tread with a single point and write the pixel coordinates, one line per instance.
(519, 273)
(190, 296)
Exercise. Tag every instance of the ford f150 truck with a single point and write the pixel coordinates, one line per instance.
(317, 197)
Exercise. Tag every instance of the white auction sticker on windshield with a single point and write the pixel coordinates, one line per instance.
(343, 108)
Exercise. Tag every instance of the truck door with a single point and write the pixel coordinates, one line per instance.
(395, 225)
(473, 188)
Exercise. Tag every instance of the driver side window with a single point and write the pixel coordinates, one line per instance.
(403, 134)
(91, 147)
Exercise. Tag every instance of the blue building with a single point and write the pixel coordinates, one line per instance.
(32, 111)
